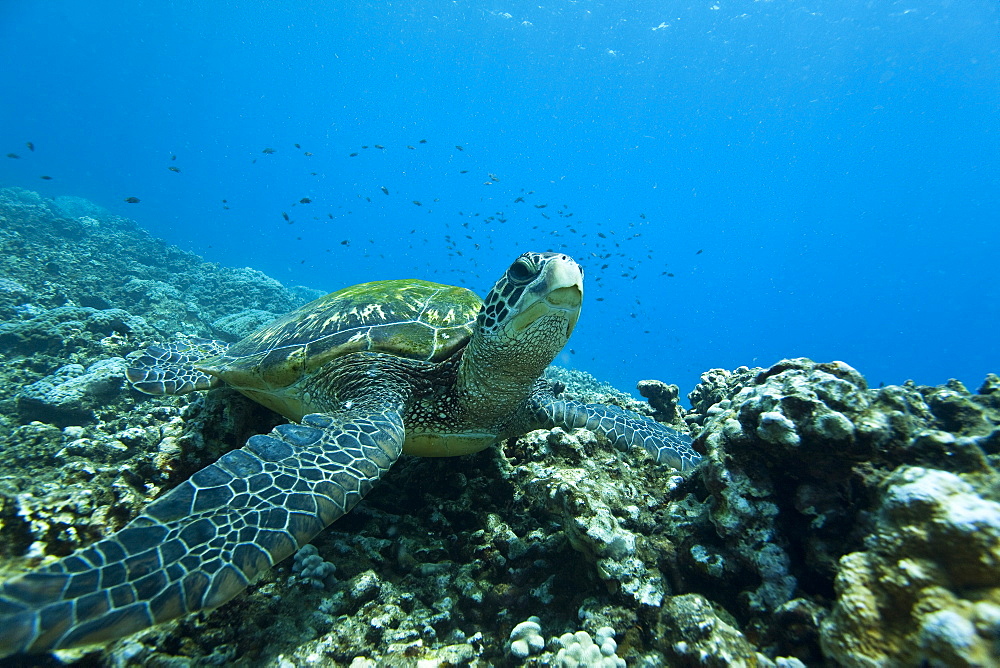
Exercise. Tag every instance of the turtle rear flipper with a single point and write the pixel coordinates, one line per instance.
(623, 428)
(169, 368)
(204, 541)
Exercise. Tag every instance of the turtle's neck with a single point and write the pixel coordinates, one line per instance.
(497, 373)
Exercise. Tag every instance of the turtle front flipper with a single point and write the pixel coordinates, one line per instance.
(623, 428)
(206, 540)
(169, 368)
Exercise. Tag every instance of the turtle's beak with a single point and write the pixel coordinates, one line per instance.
(567, 299)
(565, 285)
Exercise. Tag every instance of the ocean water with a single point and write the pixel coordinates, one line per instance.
(742, 181)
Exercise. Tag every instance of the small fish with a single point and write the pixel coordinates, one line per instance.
(174, 169)
(464, 171)
(384, 190)
(305, 200)
(132, 200)
(423, 141)
(13, 155)
(494, 177)
(225, 201)
(269, 150)
(46, 178)
(364, 147)
(31, 147)
(459, 148)
(284, 215)
(330, 216)
(411, 147)
(379, 146)
(297, 146)
(541, 206)
(354, 155)
(643, 216)
(519, 199)
(173, 157)
(345, 242)
(700, 251)
(417, 203)
(307, 154)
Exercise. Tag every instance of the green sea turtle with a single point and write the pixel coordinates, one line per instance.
(366, 374)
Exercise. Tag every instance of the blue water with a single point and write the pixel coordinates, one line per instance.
(771, 179)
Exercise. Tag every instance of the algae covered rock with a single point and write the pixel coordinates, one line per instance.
(50, 250)
(70, 395)
(799, 468)
(791, 432)
(694, 633)
(716, 390)
(926, 588)
(663, 399)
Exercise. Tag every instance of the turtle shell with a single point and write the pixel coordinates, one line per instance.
(410, 318)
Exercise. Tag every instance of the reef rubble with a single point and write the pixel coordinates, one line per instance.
(830, 523)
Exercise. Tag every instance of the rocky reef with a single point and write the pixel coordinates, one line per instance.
(829, 524)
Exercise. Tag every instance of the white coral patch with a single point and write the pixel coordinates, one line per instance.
(774, 427)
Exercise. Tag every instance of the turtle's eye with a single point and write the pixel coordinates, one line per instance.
(521, 272)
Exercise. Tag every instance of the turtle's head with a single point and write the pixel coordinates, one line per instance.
(529, 314)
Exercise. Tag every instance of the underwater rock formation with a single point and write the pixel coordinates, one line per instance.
(822, 508)
(925, 589)
(69, 396)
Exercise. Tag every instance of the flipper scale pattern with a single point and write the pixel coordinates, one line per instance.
(207, 539)
(169, 368)
(623, 428)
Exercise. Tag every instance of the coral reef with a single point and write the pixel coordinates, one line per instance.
(50, 255)
(579, 649)
(829, 524)
(925, 589)
(311, 568)
(526, 638)
(70, 395)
